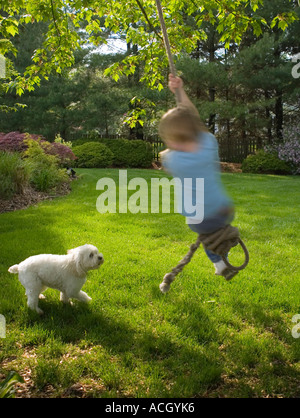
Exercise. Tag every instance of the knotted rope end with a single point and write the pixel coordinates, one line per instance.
(164, 287)
(166, 283)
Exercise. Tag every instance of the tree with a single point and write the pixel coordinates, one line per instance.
(65, 17)
(227, 39)
(246, 88)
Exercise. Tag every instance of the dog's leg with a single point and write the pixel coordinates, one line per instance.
(33, 300)
(82, 297)
(64, 298)
(33, 287)
(41, 296)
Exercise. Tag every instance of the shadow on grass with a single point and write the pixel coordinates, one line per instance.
(24, 233)
(187, 361)
(29, 225)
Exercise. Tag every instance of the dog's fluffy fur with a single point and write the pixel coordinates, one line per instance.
(66, 273)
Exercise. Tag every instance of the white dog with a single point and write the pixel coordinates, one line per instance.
(66, 273)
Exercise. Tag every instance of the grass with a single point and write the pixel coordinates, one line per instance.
(206, 337)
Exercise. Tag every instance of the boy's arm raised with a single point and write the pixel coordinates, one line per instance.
(176, 83)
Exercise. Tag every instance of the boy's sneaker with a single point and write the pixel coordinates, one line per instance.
(223, 270)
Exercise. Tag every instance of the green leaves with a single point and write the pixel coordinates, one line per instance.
(7, 46)
(284, 20)
(255, 4)
(138, 112)
(125, 67)
(74, 23)
(7, 387)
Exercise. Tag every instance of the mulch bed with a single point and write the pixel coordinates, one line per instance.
(225, 167)
(231, 168)
(30, 197)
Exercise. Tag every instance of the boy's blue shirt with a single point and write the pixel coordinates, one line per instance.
(203, 163)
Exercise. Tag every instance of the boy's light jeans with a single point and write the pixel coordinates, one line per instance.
(211, 225)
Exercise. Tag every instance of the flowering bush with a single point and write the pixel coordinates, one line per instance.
(64, 153)
(16, 142)
(289, 149)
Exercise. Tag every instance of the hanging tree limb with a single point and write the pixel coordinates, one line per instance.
(148, 20)
(54, 20)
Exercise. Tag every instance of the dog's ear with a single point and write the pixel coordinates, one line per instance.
(79, 257)
(77, 260)
(74, 251)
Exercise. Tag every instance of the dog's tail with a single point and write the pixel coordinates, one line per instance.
(14, 269)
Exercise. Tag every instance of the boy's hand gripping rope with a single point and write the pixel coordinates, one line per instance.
(219, 242)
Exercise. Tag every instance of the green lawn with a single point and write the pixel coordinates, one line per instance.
(206, 337)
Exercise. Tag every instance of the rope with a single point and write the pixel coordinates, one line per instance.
(219, 242)
(167, 46)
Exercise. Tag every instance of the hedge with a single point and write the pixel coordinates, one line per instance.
(93, 155)
(126, 153)
(265, 163)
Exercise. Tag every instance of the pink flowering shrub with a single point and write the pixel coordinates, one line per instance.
(16, 142)
(64, 153)
(289, 149)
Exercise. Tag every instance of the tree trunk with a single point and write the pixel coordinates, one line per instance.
(268, 117)
(279, 114)
(279, 102)
(212, 116)
(212, 90)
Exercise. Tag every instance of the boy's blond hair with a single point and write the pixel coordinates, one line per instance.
(181, 124)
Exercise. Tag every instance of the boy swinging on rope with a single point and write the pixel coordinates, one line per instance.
(193, 153)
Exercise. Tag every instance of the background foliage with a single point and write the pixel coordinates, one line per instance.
(235, 58)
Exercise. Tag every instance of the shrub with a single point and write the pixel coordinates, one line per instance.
(130, 153)
(93, 155)
(59, 140)
(265, 163)
(289, 149)
(133, 153)
(15, 141)
(82, 141)
(7, 386)
(44, 171)
(141, 154)
(64, 154)
(13, 174)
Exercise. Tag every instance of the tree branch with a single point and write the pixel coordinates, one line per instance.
(54, 20)
(147, 19)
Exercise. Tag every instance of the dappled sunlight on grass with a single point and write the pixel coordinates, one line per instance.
(206, 337)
